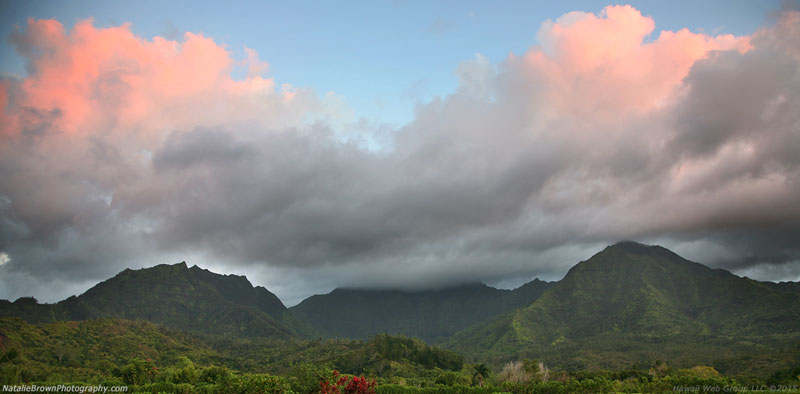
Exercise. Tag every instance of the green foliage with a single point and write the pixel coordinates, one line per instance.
(263, 384)
(786, 377)
(415, 351)
(10, 370)
(450, 378)
(216, 375)
(480, 372)
(439, 389)
(167, 387)
(138, 372)
(304, 378)
(8, 356)
(184, 372)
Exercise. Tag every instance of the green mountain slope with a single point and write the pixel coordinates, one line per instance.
(191, 299)
(639, 297)
(430, 315)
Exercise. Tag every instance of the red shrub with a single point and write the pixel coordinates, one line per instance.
(347, 385)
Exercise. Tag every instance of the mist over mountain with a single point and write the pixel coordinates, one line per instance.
(196, 299)
(431, 315)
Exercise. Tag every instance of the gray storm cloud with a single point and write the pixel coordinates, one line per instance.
(594, 136)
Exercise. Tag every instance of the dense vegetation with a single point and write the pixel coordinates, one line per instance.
(150, 358)
(95, 351)
(171, 328)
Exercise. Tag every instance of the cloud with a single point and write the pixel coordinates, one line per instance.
(118, 151)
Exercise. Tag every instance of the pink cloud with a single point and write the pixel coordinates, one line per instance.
(110, 80)
(255, 67)
(603, 64)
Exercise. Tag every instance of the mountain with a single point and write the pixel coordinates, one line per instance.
(192, 299)
(432, 315)
(628, 304)
(633, 297)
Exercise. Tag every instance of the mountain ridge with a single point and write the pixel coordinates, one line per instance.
(175, 295)
(197, 299)
(640, 294)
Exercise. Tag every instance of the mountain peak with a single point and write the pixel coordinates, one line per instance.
(629, 244)
(634, 247)
(177, 267)
(632, 259)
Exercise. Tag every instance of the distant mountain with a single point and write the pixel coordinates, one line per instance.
(432, 315)
(632, 297)
(191, 299)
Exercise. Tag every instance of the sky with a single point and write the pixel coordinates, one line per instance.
(314, 145)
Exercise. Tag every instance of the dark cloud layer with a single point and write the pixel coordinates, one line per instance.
(593, 137)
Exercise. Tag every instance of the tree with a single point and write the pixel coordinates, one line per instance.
(263, 384)
(9, 356)
(480, 372)
(9, 373)
(139, 372)
(450, 378)
(185, 371)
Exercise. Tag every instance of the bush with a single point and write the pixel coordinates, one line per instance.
(337, 384)
(10, 374)
(263, 384)
(139, 372)
(450, 378)
(167, 387)
(305, 378)
(439, 389)
(216, 375)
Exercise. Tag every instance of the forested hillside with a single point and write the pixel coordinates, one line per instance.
(432, 315)
(632, 303)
